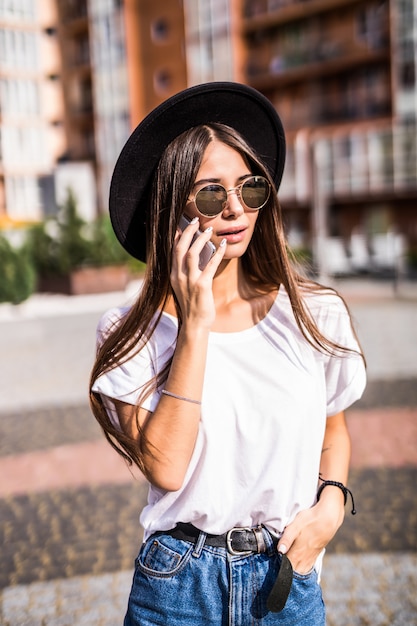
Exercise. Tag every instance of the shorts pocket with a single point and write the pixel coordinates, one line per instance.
(163, 556)
(305, 602)
(311, 574)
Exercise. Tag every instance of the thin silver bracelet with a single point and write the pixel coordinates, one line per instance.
(174, 395)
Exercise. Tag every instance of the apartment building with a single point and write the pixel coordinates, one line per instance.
(46, 114)
(76, 76)
(212, 40)
(138, 60)
(31, 107)
(342, 75)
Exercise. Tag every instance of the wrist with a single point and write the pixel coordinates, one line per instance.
(333, 485)
(332, 498)
(331, 510)
(194, 336)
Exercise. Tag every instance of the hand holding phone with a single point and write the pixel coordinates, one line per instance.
(209, 248)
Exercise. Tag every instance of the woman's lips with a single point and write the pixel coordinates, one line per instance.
(233, 235)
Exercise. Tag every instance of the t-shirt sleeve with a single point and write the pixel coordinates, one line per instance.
(344, 371)
(126, 381)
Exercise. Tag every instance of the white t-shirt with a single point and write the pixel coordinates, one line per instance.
(267, 393)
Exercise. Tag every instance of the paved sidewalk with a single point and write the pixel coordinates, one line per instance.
(49, 340)
(51, 305)
(69, 507)
(381, 437)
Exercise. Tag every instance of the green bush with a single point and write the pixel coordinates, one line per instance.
(73, 248)
(58, 245)
(67, 243)
(104, 248)
(18, 276)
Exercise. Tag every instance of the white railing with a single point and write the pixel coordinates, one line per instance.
(358, 162)
(321, 169)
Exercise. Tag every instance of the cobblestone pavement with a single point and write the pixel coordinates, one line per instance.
(91, 529)
(66, 553)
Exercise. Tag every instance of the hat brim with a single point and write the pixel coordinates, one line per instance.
(234, 104)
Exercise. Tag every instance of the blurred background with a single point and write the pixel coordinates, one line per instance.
(76, 76)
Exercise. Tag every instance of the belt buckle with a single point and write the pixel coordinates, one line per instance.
(230, 548)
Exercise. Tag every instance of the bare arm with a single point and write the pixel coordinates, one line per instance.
(335, 461)
(170, 432)
(313, 528)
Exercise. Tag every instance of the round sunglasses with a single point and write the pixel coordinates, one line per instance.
(211, 199)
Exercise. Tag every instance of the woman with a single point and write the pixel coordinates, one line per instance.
(226, 382)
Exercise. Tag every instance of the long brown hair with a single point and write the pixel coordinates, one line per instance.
(266, 264)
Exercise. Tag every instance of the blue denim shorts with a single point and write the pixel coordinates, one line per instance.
(178, 583)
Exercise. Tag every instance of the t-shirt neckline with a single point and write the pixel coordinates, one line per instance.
(246, 332)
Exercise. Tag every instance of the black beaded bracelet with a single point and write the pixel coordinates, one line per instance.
(341, 486)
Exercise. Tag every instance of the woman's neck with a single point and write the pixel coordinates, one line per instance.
(228, 283)
(240, 303)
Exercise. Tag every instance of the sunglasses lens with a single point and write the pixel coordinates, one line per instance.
(255, 192)
(210, 200)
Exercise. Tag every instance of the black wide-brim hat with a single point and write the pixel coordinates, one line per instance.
(234, 104)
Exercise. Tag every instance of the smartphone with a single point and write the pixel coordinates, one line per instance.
(209, 248)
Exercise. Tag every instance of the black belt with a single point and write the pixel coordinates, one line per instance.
(240, 541)
(236, 541)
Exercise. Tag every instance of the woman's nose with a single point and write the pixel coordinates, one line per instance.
(233, 204)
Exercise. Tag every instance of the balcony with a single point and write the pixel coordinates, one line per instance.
(284, 71)
(356, 174)
(264, 15)
(358, 164)
(282, 52)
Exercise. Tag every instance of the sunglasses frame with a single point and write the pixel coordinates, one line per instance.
(238, 190)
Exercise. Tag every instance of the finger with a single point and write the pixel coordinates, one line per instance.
(192, 256)
(187, 235)
(182, 242)
(216, 259)
(185, 222)
(287, 538)
(176, 240)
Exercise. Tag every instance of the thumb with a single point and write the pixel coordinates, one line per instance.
(286, 540)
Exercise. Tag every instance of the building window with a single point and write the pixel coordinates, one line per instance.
(162, 81)
(22, 197)
(408, 75)
(160, 30)
(372, 25)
